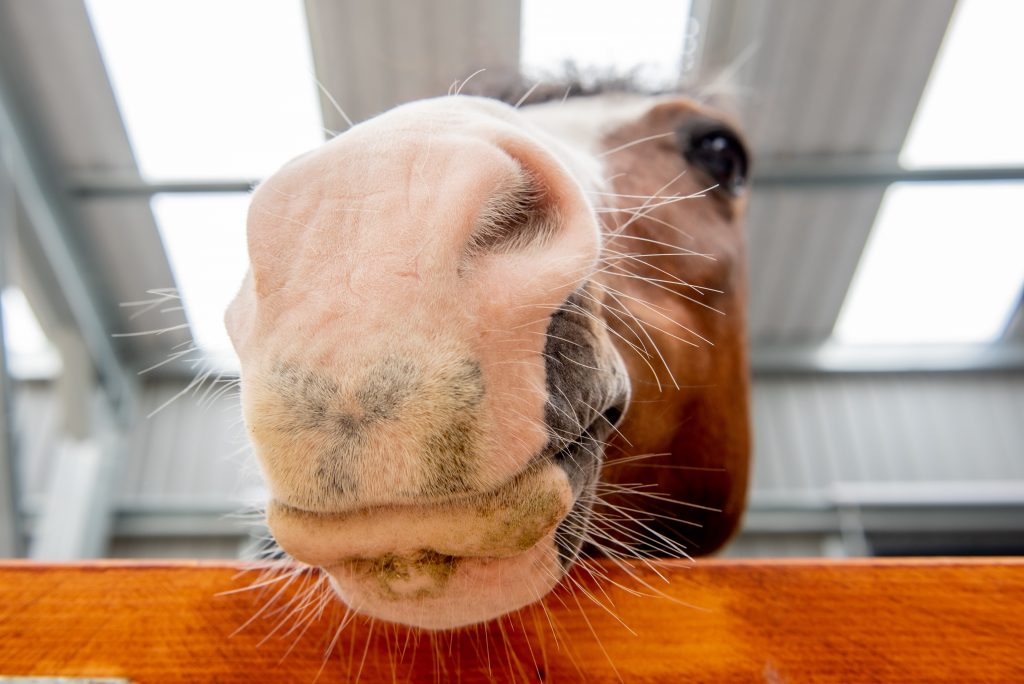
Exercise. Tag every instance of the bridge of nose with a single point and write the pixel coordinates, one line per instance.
(400, 217)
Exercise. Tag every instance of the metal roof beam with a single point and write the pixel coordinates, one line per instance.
(726, 32)
(53, 226)
(769, 359)
(79, 505)
(845, 171)
(11, 535)
(89, 186)
(770, 173)
(825, 358)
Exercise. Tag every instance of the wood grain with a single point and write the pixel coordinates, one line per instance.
(851, 621)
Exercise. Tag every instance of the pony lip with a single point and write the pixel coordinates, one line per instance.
(436, 593)
(498, 524)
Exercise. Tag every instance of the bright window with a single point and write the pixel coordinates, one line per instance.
(209, 90)
(943, 265)
(29, 351)
(971, 111)
(204, 236)
(605, 36)
(219, 89)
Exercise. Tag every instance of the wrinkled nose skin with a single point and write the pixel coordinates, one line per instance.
(391, 334)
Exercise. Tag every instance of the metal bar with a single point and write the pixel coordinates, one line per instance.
(806, 173)
(78, 511)
(827, 358)
(56, 230)
(77, 514)
(201, 522)
(198, 522)
(11, 533)
(99, 186)
(886, 519)
(766, 359)
(833, 172)
(725, 40)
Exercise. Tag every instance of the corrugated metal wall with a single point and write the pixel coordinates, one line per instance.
(191, 454)
(813, 432)
(189, 465)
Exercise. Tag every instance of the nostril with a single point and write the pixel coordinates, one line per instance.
(598, 429)
(517, 214)
(567, 453)
(613, 414)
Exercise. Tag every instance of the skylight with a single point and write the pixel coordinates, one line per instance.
(943, 265)
(605, 35)
(29, 351)
(210, 90)
(971, 111)
(204, 236)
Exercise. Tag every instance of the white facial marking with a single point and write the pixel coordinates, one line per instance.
(577, 126)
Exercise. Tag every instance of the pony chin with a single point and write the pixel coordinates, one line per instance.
(457, 592)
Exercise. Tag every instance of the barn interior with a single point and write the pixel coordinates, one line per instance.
(886, 236)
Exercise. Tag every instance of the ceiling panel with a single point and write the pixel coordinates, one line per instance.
(804, 248)
(823, 79)
(817, 82)
(371, 56)
(828, 77)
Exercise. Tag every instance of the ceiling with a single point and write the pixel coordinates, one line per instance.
(820, 86)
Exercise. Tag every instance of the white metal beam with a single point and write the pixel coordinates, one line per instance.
(849, 170)
(77, 515)
(11, 537)
(55, 230)
(727, 34)
(78, 506)
(835, 358)
(789, 173)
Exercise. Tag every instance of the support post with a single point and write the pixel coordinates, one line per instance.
(78, 509)
(11, 533)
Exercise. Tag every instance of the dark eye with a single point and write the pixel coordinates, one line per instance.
(718, 152)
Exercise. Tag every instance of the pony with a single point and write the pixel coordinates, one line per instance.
(481, 340)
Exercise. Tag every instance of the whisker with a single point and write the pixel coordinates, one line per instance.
(613, 150)
(334, 103)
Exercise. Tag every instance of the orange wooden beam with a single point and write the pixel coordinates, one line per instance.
(719, 621)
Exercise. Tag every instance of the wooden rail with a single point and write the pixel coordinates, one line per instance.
(721, 621)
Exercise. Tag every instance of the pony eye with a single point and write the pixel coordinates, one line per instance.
(721, 155)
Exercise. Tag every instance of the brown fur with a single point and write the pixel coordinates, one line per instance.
(702, 427)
